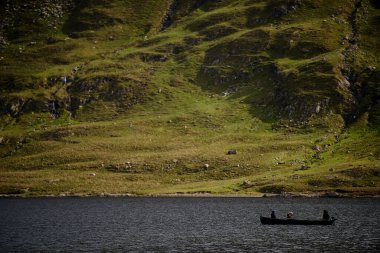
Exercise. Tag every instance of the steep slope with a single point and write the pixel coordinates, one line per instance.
(148, 96)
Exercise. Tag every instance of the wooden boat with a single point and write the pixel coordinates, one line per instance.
(270, 221)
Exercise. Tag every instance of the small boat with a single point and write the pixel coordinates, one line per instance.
(270, 221)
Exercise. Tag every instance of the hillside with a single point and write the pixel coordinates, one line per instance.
(148, 97)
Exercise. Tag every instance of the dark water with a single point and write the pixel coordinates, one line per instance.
(185, 225)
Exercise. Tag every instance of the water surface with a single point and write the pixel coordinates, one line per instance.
(185, 225)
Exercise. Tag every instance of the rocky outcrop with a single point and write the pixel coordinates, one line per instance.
(217, 32)
(14, 106)
(168, 18)
(184, 8)
(347, 70)
(362, 81)
(125, 92)
(22, 18)
(280, 8)
(273, 12)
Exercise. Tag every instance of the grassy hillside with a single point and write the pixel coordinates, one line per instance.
(147, 97)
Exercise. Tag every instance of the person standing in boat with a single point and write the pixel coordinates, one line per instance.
(273, 215)
(326, 215)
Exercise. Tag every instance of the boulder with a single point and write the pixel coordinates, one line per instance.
(232, 152)
(246, 183)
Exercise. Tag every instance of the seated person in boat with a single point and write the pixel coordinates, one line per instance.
(289, 215)
(273, 215)
(326, 215)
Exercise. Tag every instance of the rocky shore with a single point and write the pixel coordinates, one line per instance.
(327, 194)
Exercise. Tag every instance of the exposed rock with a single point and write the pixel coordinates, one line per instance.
(192, 41)
(43, 13)
(168, 19)
(304, 167)
(318, 108)
(54, 181)
(246, 183)
(279, 161)
(151, 57)
(78, 93)
(331, 194)
(295, 176)
(371, 68)
(281, 8)
(232, 152)
(217, 32)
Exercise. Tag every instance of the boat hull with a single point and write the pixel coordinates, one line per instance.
(270, 221)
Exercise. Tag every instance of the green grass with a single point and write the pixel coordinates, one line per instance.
(154, 122)
(167, 150)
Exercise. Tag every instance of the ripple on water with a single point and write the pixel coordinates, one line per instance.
(185, 225)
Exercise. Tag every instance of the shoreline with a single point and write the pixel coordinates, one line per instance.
(199, 195)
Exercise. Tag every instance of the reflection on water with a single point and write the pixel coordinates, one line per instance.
(185, 225)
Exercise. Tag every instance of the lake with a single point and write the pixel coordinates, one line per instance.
(185, 225)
